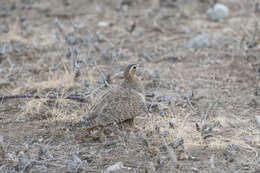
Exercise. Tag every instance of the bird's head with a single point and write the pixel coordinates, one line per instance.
(130, 71)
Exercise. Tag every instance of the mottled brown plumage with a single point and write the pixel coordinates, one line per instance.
(118, 104)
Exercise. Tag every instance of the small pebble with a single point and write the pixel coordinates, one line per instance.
(85, 83)
(13, 6)
(103, 24)
(1, 139)
(172, 125)
(10, 157)
(100, 80)
(162, 114)
(258, 120)
(117, 166)
(194, 169)
(4, 83)
(165, 133)
(4, 12)
(4, 28)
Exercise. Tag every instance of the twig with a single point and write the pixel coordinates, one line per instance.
(94, 91)
(72, 97)
(147, 56)
(102, 73)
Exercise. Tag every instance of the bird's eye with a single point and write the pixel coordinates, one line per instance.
(134, 67)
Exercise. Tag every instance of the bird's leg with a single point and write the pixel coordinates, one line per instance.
(132, 125)
(99, 134)
(102, 136)
(130, 122)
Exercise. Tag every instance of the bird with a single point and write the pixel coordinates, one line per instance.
(118, 104)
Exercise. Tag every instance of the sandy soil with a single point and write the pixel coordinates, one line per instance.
(202, 101)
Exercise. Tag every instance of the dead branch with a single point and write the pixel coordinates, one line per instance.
(18, 96)
(78, 98)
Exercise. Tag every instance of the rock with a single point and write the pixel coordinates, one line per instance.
(5, 28)
(10, 157)
(172, 125)
(218, 12)
(200, 41)
(162, 114)
(103, 24)
(165, 134)
(1, 139)
(258, 120)
(115, 167)
(85, 83)
(257, 9)
(4, 83)
(168, 3)
(194, 169)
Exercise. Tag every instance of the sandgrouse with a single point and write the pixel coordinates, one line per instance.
(118, 104)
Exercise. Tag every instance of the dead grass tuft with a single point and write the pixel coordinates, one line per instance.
(35, 110)
(54, 83)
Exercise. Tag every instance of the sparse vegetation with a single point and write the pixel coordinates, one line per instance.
(203, 100)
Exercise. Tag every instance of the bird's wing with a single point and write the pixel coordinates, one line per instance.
(117, 105)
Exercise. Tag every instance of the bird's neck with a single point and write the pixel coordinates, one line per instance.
(130, 79)
(133, 83)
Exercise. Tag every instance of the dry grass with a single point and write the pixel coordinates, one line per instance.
(64, 82)
(59, 48)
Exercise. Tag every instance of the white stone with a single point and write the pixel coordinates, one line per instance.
(103, 24)
(199, 41)
(115, 167)
(218, 12)
(258, 120)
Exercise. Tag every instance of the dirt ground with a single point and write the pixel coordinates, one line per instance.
(202, 101)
